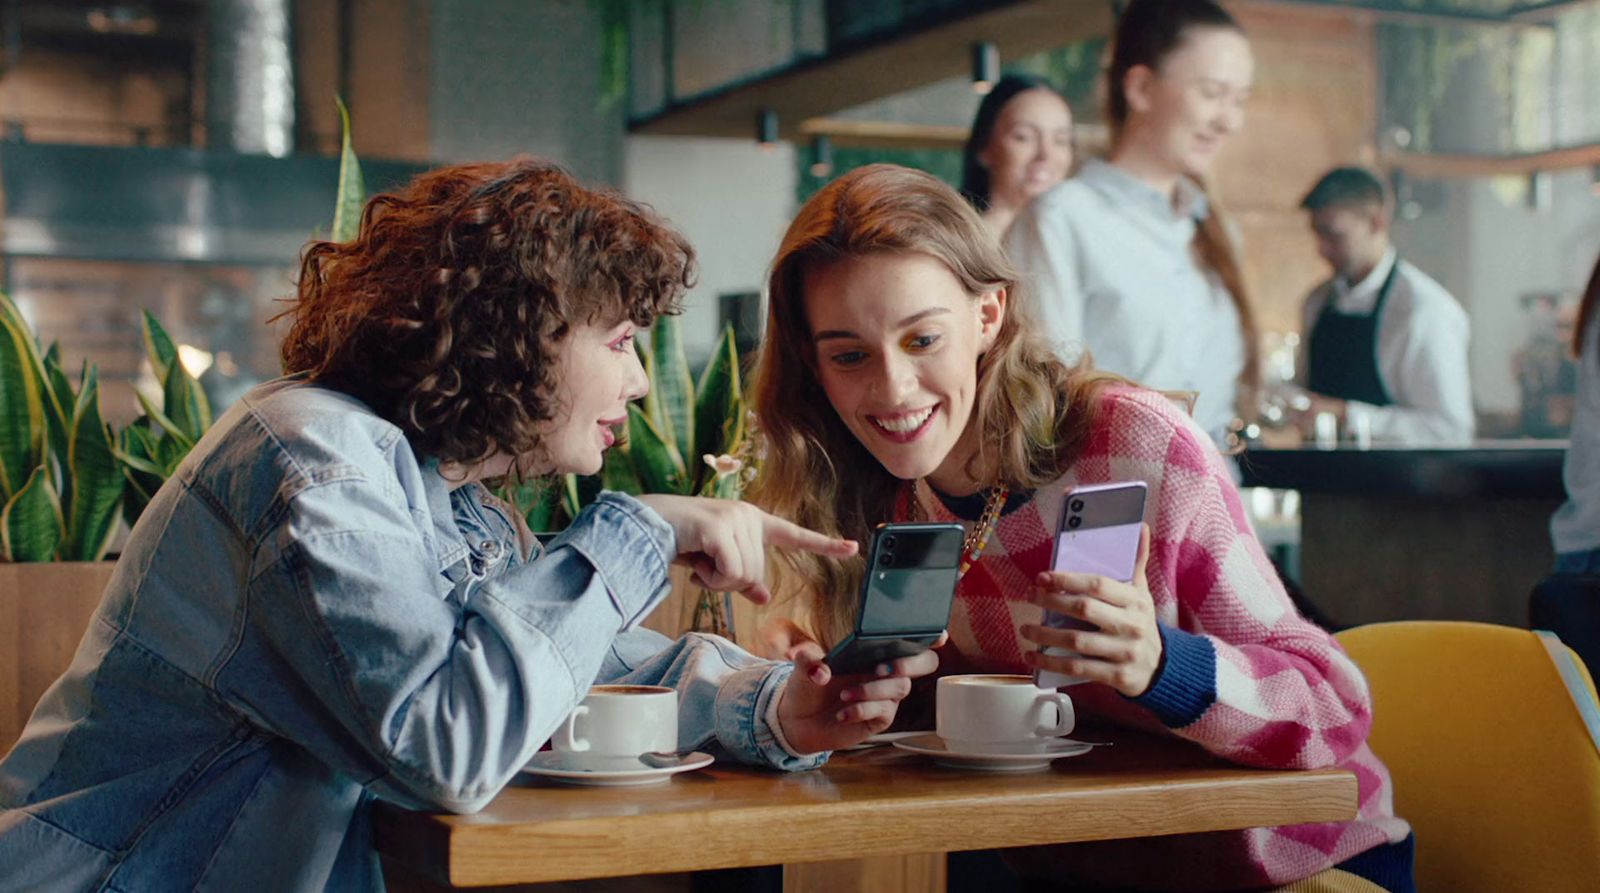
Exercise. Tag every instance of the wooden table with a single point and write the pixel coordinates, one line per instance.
(874, 803)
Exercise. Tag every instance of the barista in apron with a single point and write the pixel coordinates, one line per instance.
(1386, 351)
(1342, 352)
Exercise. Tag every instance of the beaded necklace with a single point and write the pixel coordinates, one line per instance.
(977, 539)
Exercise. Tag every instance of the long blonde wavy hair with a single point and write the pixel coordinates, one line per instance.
(1034, 412)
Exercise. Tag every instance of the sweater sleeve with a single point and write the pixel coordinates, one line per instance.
(1244, 675)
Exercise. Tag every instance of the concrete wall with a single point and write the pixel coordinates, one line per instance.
(731, 199)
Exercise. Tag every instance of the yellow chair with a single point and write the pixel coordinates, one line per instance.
(1493, 736)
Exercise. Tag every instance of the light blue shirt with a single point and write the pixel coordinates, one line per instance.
(1110, 265)
(305, 618)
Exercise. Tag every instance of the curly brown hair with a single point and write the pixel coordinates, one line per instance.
(446, 313)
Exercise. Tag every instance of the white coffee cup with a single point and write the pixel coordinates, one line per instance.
(999, 714)
(614, 724)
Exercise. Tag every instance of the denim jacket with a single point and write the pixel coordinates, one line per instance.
(307, 617)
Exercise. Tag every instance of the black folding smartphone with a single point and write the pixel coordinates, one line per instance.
(906, 596)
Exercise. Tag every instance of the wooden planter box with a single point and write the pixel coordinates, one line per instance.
(44, 610)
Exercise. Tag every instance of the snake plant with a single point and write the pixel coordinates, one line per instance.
(152, 447)
(60, 482)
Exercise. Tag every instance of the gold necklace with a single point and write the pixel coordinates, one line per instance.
(977, 539)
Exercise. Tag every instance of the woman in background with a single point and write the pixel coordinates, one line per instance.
(1020, 148)
(1130, 259)
(1575, 529)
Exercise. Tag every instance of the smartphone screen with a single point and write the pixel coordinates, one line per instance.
(1099, 534)
(911, 579)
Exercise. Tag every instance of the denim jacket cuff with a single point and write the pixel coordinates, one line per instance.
(745, 702)
(630, 547)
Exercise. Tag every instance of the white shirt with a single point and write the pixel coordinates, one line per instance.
(1422, 354)
(1576, 525)
(1111, 268)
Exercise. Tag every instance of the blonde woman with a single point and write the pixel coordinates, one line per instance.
(900, 380)
(1131, 257)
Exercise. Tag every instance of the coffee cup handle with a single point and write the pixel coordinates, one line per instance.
(1065, 718)
(565, 739)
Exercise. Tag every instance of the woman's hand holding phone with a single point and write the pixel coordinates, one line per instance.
(821, 711)
(1124, 651)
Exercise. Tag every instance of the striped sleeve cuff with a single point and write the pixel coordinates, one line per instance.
(1186, 681)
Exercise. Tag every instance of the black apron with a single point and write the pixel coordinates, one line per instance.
(1343, 352)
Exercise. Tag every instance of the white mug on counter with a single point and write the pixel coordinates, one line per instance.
(1001, 714)
(614, 724)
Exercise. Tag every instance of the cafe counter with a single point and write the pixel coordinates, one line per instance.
(1401, 533)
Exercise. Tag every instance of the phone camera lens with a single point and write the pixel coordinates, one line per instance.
(1077, 505)
(1073, 522)
(886, 560)
(888, 543)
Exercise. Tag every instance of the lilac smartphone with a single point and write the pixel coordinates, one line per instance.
(1099, 534)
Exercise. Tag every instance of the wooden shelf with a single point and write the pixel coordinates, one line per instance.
(819, 87)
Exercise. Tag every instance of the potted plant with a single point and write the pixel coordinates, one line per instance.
(63, 476)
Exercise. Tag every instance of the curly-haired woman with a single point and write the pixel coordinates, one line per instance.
(902, 380)
(325, 606)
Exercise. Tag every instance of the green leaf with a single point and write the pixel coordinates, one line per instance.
(137, 463)
(569, 495)
(31, 525)
(589, 487)
(158, 345)
(142, 473)
(169, 455)
(650, 403)
(96, 476)
(173, 432)
(185, 403)
(22, 417)
(618, 472)
(544, 512)
(719, 406)
(673, 385)
(59, 401)
(352, 186)
(137, 492)
(656, 460)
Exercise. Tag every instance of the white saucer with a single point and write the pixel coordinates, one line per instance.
(883, 738)
(931, 745)
(553, 765)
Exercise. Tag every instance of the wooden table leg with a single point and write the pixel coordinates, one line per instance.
(915, 873)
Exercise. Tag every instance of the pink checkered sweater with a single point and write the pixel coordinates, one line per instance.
(1243, 675)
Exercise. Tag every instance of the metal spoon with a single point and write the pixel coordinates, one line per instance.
(657, 759)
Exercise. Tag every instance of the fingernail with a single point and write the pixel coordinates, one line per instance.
(844, 695)
(839, 717)
(883, 669)
(816, 675)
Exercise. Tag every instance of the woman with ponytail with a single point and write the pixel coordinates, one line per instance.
(1130, 259)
